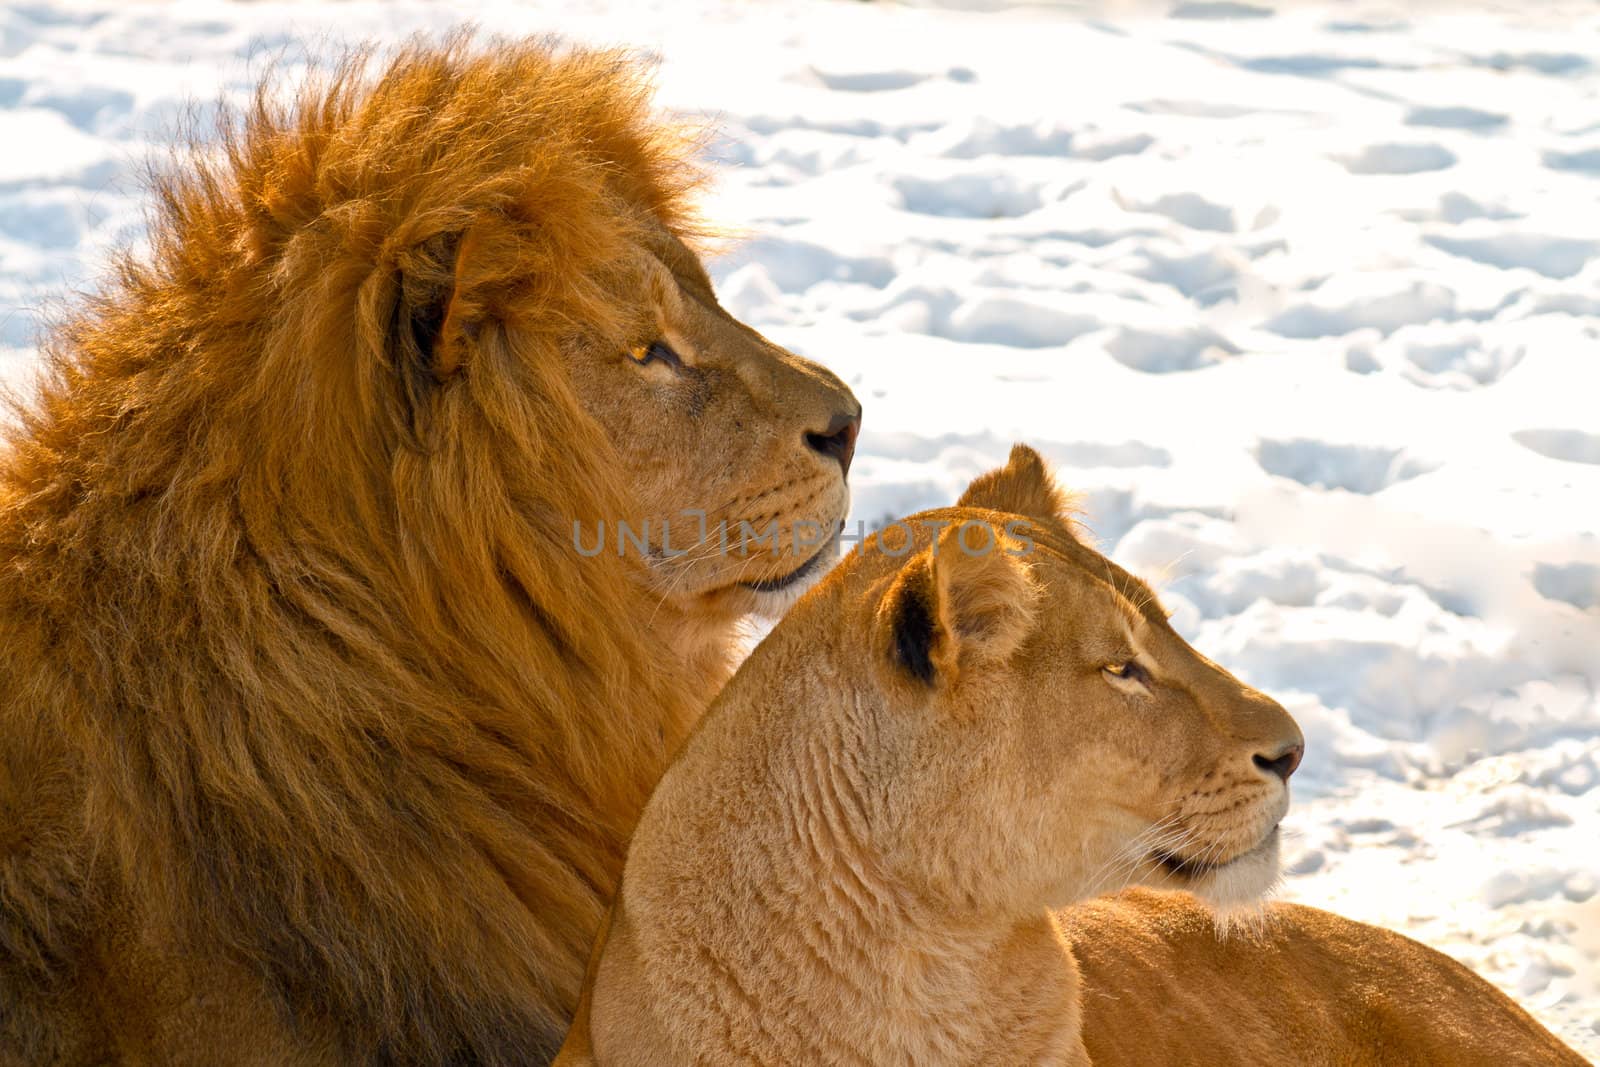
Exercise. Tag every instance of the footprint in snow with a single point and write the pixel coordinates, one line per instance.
(1577, 584)
(969, 196)
(1455, 118)
(1099, 146)
(1440, 355)
(1554, 257)
(1167, 351)
(978, 136)
(1538, 62)
(794, 265)
(882, 81)
(1191, 210)
(1313, 65)
(1364, 469)
(1218, 9)
(1204, 277)
(1399, 159)
(1572, 446)
(1015, 323)
(991, 447)
(1457, 207)
(1334, 311)
(1365, 26)
(1584, 162)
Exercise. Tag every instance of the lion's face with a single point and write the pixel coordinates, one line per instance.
(1048, 736)
(735, 450)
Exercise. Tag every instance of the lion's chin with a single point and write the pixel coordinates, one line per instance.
(770, 598)
(1237, 885)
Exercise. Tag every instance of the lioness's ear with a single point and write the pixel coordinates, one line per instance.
(1023, 486)
(965, 602)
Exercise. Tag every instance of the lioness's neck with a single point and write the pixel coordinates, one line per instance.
(779, 937)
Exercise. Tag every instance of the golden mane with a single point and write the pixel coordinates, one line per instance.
(295, 653)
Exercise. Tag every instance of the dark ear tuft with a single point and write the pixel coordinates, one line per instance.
(914, 625)
(951, 610)
(432, 318)
(413, 339)
(425, 321)
(1023, 486)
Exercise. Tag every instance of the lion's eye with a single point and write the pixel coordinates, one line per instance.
(1128, 670)
(655, 352)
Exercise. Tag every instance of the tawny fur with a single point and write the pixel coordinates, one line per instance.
(318, 741)
(846, 866)
(856, 856)
(1298, 986)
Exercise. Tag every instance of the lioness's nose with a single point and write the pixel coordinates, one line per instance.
(839, 439)
(1284, 763)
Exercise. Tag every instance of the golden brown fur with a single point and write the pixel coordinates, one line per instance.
(855, 858)
(319, 742)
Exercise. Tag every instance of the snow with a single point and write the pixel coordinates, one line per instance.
(1305, 302)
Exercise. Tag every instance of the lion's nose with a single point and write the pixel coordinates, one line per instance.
(1284, 763)
(839, 439)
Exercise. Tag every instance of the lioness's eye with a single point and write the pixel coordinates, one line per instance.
(654, 352)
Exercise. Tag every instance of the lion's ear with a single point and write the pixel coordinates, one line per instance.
(464, 312)
(1024, 486)
(964, 602)
(438, 310)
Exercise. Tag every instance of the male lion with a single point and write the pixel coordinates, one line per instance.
(322, 727)
(855, 857)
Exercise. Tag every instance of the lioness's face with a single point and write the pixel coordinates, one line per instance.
(735, 449)
(1156, 764)
(1048, 736)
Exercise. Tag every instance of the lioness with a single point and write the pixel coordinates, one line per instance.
(856, 857)
(330, 686)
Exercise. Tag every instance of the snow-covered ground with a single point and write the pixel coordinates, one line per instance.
(1306, 302)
